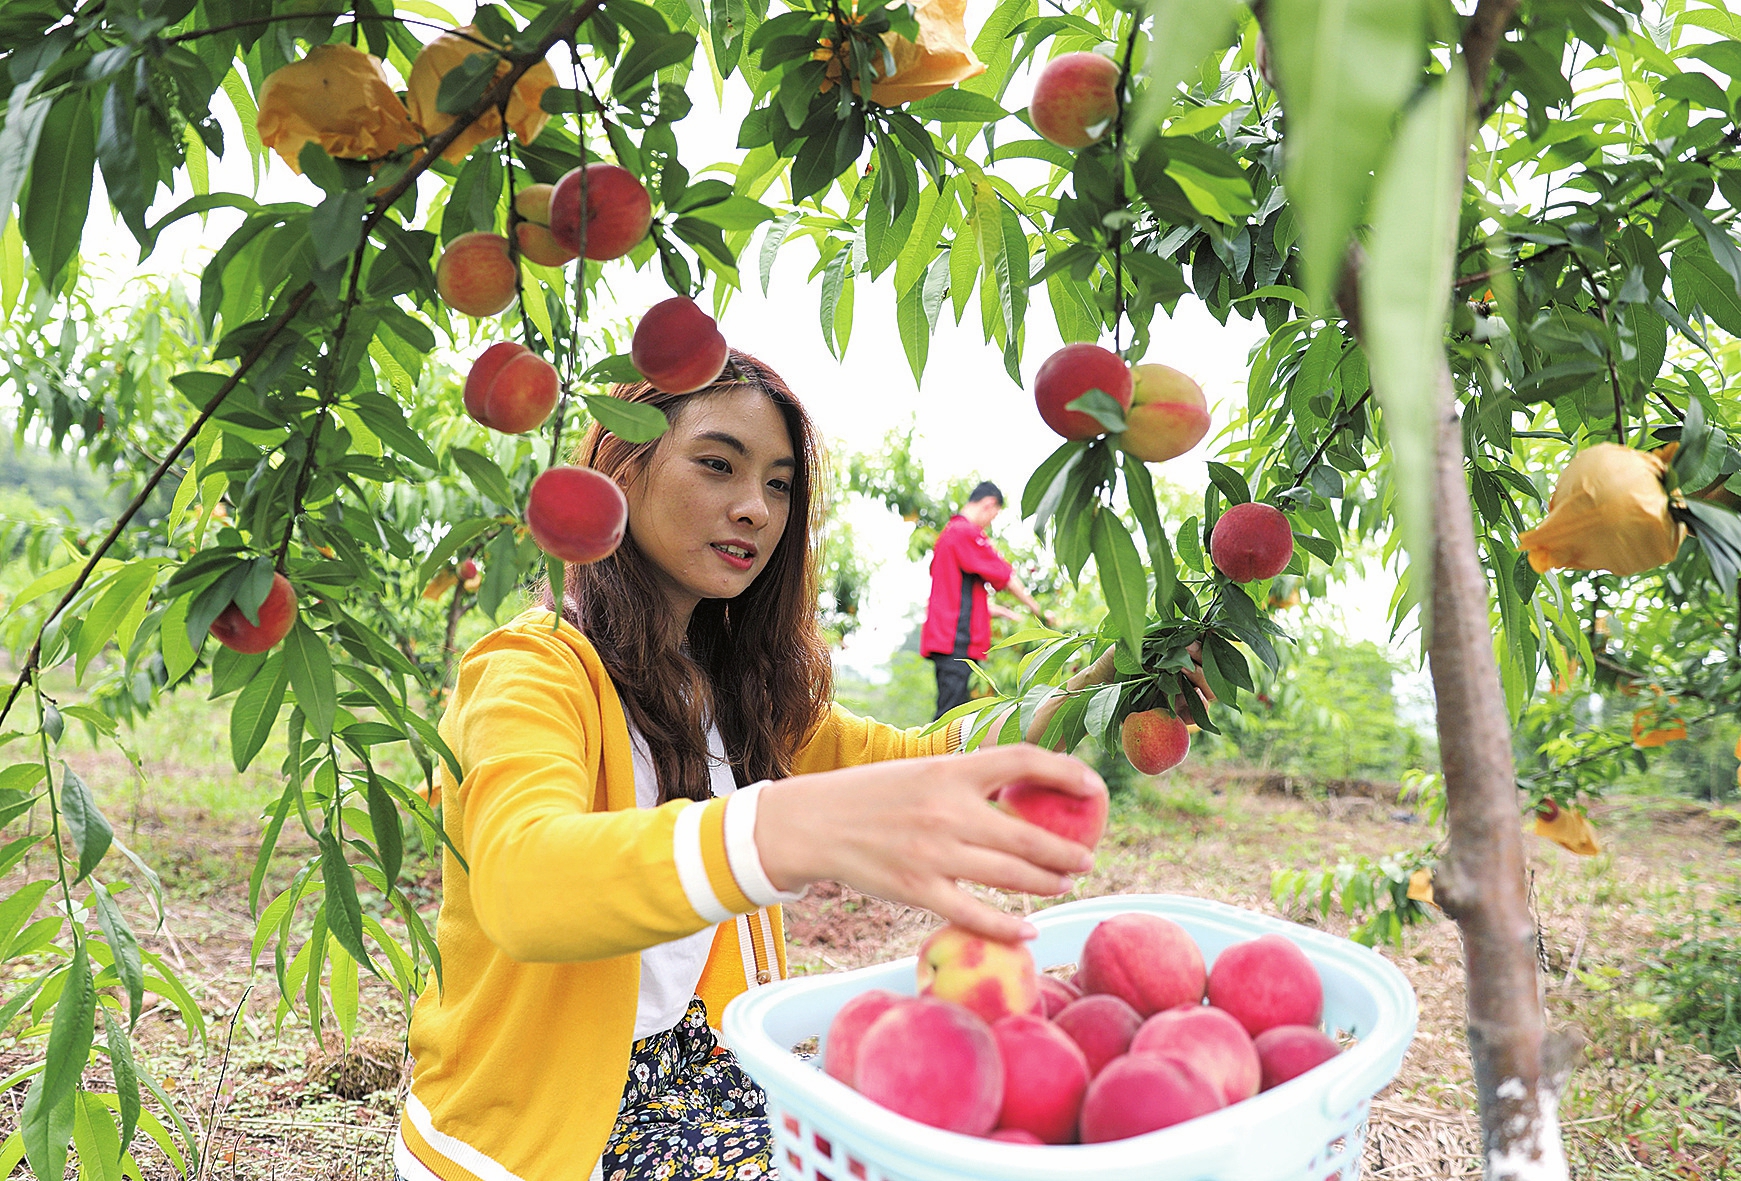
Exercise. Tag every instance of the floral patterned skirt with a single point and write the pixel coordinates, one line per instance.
(689, 1112)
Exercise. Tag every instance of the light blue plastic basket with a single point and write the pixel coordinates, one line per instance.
(1309, 1129)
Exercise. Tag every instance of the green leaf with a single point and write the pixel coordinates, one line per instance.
(311, 677)
(389, 832)
(1122, 580)
(958, 106)
(914, 328)
(128, 966)
(1404, 294)
(58, 199)
(344, 914)
(50, 1104)
(256, 709)
(337, 225)
(486, 476)
(387, 419)
(1345, 67)
(1102, 407)
(1102, 711)
(633, 422)
(126, 1074)
(465, 83)
(90, 832)
(1140, 490)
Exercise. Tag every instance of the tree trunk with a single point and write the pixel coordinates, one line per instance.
(1519, 1068)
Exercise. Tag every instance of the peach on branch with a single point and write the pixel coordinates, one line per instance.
(991, 978)
(1148, 961)
(618, 211)
(1044, 1076)
(1075, 99)
(576, 514)
(1154, 740)
(475, 275)
(273, 621)
(1101, 1025)
(846, 1032)
(1071, 372)
(1251, 542)
(1055, 994)
(1075, 818)
(934, 1062)
(678, 347)
(1205, 1037)
(1168, 414)
(1288, 1051)
(1138, 1093)
(511, 389)
(1265, 982)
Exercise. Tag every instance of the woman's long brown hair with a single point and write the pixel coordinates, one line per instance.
(756, 664)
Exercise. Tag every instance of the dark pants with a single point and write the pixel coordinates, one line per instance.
(953, 675)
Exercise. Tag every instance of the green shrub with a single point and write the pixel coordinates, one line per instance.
(1696, 980)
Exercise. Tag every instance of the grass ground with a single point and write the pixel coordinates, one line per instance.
(1646, 1103)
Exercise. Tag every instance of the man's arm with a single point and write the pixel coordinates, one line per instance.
(1014, 586)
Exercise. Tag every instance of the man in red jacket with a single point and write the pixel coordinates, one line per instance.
(958, 614)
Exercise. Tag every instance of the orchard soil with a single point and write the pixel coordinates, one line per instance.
(281, 1103)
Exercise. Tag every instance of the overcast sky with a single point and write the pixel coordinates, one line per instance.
(972, 418)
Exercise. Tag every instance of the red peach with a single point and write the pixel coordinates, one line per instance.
(991, 978)
(538, 245)
(1288, 1051)
(1075, 818)
(532, 203)
(618, 211)
(1155, 741)
(934, 1062)
(1014, 1136)
(1207, 1038)
(511, 389)
(1138, 1094)
(846, 1032)
(576, 514)
(1071, 372)
(1075, 99)
(277, 615)
(1044, 1076)
(1251, 542)
(1101, 1025)
(468, 570)
(1265, 982)
(475, 275)
(1168, 414)
(1055, 994)
(678, 347)
(1149, 961)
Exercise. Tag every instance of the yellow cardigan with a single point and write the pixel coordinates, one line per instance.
(522, 1053)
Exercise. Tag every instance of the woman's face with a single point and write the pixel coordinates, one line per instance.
(712, 503)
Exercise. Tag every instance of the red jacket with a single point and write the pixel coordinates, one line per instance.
(958, 616)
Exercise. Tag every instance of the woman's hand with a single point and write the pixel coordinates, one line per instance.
(909, 829)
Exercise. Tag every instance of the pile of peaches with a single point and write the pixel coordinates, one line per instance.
(1142, 1036)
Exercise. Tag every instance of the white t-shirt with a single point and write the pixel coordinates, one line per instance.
(670, 971)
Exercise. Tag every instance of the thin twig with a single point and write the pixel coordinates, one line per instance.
(1123, 187)
(218, 1090)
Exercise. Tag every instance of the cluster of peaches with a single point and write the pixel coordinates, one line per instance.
(1142, 1037)
(575, 514)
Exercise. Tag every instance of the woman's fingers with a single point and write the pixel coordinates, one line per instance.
(964, 910)
(1003, 871)
(990, 770)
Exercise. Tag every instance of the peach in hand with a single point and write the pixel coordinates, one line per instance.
(934, 1062)
(993, 979)
(276, 616)
(510, 388)
(678, 347)
(1150, 962)
(576, 514)
(1168, 414)
(1210, 1040)
(475, 275)
(1075, 818)
(846, 1032)
(1155, 741)
(1138, 1093)
(1071, 372)
(1044, 1076)
(1075, 99)
(1265, 982)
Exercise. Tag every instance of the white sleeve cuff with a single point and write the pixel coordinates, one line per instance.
(741, 853)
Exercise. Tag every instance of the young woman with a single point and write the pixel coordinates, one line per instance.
(648, 773)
